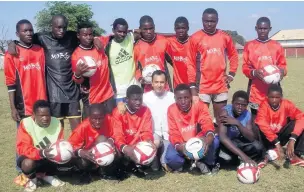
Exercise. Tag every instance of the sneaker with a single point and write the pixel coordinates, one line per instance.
(297, 161)
(262, 164)
(203, 168)
(155, 165)
(55, 182)
(138, 172)
(215, 169)
(85, 178)
(31, 185)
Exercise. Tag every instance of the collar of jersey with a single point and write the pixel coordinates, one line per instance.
(84, 48)
(209, 33)
(262, 41)
(183, 42)
(129, 110)
(149, 41)
(24, 46)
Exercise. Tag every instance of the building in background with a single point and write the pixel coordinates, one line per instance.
(1, 60)
(292, 41)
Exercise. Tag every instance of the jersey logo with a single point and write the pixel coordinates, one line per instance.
(188, 128)
(65, 56)
(154, 59)
(180, 58)
(265, 58)
(44, 143)
(214, 51)
(123, 56)
(130, 131)
(276, 127)
(32, 66)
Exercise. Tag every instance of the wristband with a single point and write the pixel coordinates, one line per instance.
(78, 152)
(123, 149)
(43, 154)
(277, 143)
(77, 77)
(291, 138)
(230, 76)
(253, 73)
(191, 87)
(210, 132)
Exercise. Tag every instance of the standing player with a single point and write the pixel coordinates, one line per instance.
(133, 126)
(20, 71)
(58, 45)
(100, 90)
(187, 120)
(281, 122)
(209, 46)
(180, 53)
(34, 136)
(158, 101)
(236, 133)
(150, 52)
(119, 49)
(257, 54)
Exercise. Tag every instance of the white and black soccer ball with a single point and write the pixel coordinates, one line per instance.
(90, 62)
(148, 71)
(248, 174)
(195, 148)
(271, 74)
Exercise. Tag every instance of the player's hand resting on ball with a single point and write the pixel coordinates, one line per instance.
(81, 69)
(249, 161)
(86, 154)
(129, 152)
(47, 153)
(259, 74)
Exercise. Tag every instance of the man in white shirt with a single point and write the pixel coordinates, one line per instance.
(158, 100)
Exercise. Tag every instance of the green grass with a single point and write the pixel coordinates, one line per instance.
(270, 180)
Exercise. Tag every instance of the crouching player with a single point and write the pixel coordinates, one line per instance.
(133, 126)
(281, 123)
(34, 135)
(93, 130)
(236, 133)
(187, 120)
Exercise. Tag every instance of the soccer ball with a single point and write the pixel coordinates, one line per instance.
(144, 152)
(271, 74)
(272, 154)
(89, 61)
(62, 151)
(148, 71)
(248, 174)
(195, 148)
(104, 153)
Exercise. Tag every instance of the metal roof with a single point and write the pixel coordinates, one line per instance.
(291, 34)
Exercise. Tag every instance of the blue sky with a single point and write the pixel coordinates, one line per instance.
(239, 16)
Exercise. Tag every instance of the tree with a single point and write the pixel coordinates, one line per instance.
(3, 38)
(75, 13)
(236, 37)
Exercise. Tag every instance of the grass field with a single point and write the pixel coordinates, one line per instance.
(271, 179)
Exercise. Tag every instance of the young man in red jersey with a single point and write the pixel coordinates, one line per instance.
(209, 47)
(281, 123)
(20, 71)
(257, 54)
(179, 50)
(100, 90)
(150, 51)
(133, 126)
(187, 120)
(34, 135)
(93, 130)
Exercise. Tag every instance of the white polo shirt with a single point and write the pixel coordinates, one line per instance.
(159, 108)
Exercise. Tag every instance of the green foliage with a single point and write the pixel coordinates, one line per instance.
(75, 13)
(236, 37)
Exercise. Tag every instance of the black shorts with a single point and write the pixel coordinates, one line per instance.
(65, 110)
(42, 165)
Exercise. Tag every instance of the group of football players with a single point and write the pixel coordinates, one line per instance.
(44, 73)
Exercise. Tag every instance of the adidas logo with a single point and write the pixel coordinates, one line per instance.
(123, 56)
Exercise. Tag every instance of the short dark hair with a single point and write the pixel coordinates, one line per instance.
(263, 19)
(21, 22)
(60, 16)
(41, 104)
(275, 87)
(159, 72)
(181, 20)
(182, 87)
(144, 19)
(134, 89)
(83, 25)
(96, 106)
(210, 11)
(120, 21)
(240, 94)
